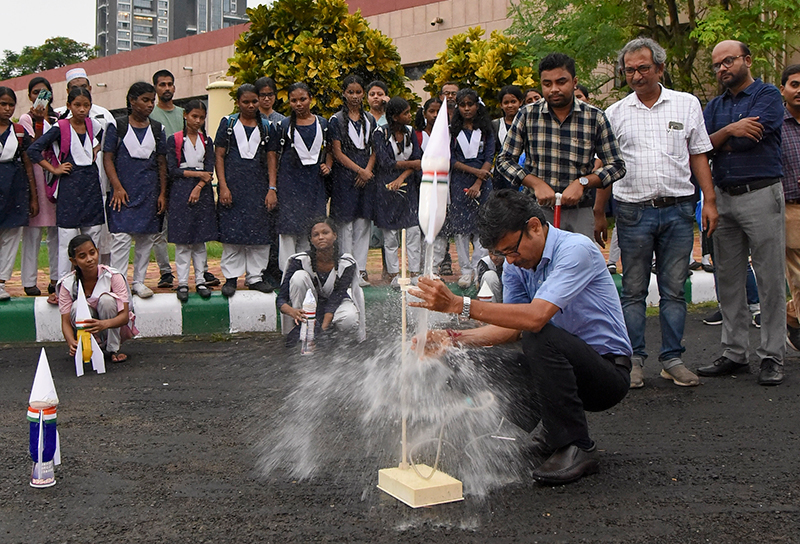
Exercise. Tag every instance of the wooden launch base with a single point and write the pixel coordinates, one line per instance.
(406, 486)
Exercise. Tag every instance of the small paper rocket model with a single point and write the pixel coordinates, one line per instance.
(485, 294)
(434, 191)
(44, 444)
(307, 327)
(88, 348)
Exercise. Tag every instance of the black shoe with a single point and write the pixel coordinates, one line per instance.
(211, 279)
(713, 319)
(262, 286)
(757, 320)
(269, 280)
(229, 289)
(793, 338)
(567, 464)
(708, 268)
(204, 291)
(536, 448)
(166, 280)
(32, 291)
(695, 265)
(183, 293)
(771, 372)
(51, 288)
(722, 367)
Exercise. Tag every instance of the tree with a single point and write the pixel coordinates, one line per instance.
(486, 66)
(317, 42)
(592, 32)
(53, 53)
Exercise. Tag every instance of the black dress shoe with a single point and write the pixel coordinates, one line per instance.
(536, 448)
(229, 289)
(567, 464)
(262, 286)
(708, 268)
(33, 291)
(211, 279)
(722, 367)
(695, 265)
(166, 280)
(771, 372)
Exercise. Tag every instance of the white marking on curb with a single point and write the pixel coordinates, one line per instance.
(48, 321)
(703, 287)
(252, 311)
(159, 315)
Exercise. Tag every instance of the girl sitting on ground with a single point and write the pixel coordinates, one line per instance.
(108, 296)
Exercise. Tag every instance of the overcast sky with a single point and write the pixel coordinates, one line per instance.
(71, 18)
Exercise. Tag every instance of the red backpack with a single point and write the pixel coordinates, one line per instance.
(51, 188)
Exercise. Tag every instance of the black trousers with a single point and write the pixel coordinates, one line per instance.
(569, 378)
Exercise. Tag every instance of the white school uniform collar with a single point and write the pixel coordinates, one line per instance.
(82, 153)
(143, 149)
(471, 147)
(248, 147)
(9, 150)
(193, 154)
(358, 137)
(308, 156)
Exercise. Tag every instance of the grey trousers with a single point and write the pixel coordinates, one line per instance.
(580, 220)
(751, 225)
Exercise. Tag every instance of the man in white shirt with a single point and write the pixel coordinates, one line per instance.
(663, 140)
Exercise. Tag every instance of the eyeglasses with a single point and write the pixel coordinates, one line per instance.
(644, 69)
(512, 252)
(727, 62)
(267, 95)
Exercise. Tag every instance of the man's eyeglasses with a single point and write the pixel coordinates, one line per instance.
(727, 62)
(511, 252)
(644, 69)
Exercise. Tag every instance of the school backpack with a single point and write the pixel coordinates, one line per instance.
(65, 141)
(179, 144)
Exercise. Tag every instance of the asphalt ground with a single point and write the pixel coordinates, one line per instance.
(168, 448)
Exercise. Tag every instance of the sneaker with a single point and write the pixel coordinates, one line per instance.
(183, 293)
(465, 280)
(757, 320)
(262, 286)
(166, 280)
(363, 280)
(211, 279)
(680, 375)
(203, 291)
(612, 268)
(141, 290)
(793, 337)
(229, 289)
(3, 293)
(32, 291)
(637, 373)
(713, 319)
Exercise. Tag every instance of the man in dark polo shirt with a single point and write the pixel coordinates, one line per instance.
(744, 124)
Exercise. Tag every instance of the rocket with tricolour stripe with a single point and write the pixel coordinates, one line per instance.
(44, 444)
(88, 349)
(434, 191)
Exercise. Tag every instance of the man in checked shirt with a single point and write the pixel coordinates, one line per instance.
(790, 152)
(561, 137)
(663, 139)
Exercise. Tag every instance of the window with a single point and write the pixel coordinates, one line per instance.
(123, 44)
(143, 4)
(163, 31)
(123, 7)
(124, 34)
(163, 4)
(123, 17)
(145, 29)
(120, 24)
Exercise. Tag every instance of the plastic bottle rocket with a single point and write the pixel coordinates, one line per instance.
(557, 212)
(88, 349)
(307, 327)
(44, 444)
(485, 293)
(434, 191)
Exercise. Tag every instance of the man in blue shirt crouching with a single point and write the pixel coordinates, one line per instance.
(560, 299)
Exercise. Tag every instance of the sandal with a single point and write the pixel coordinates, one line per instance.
(203, 291)
(118, 357)
(52, 298)
(183, 293)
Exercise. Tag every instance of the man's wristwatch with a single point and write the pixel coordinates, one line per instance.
(273, 189)
(584, 181)
(463, 317)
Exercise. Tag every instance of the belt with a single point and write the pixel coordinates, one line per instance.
(737, 190)
(661, 202)
(620, 360)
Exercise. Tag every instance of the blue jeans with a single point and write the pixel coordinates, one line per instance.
(669, 232)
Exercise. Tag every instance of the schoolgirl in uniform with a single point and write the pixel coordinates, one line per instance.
(107, 295)
(80, 198)
(267, 92)
(243, 155)
(397, 180)
(134, 154)
(36, 122)
(471, 154)
(510, 99)
(191, 214)
(18, 198)
(353, 193)
(299, 192)
(426, 116)
(329, 274)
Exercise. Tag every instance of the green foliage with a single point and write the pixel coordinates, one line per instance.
(317, 42)
(486, 66)
(54, 53)
(592, 32)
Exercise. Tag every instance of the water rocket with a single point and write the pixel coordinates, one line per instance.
(434, 190)
(485, 294)
(88, 348)
(307, 327)
(44, 444)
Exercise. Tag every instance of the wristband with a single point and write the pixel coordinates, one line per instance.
(453, 334)
(271, 188)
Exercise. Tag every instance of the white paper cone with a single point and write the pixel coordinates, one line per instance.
(43, 391)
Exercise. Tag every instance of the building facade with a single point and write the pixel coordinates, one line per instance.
(125, 25)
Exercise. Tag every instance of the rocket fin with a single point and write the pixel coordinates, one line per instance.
(98, 359)
(79, 358)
